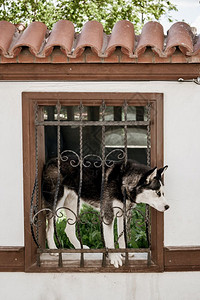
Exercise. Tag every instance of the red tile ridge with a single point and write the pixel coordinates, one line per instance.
(152, 36)
(33, 37)
(7, 30)
(41, 43)
(122, 36)
(90, 36)
(62, 35)
(179, 35)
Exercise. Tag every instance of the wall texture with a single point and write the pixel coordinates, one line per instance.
(181, 147)
(166, 286)
(182, 222)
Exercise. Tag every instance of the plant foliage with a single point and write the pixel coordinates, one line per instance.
(80, 11)
(90, 229)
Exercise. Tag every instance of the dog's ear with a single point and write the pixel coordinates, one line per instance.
(150, 175)
(161, 171)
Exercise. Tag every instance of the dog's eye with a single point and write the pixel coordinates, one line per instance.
(158, 193)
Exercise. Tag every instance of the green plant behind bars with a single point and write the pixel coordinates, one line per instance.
(90, 230)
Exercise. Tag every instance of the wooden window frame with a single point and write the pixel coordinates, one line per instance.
(51, 98)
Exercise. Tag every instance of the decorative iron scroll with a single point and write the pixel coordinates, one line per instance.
(78, 160)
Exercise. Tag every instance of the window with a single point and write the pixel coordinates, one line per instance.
(132, 125)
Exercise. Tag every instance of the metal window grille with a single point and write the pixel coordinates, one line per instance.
(105, 159)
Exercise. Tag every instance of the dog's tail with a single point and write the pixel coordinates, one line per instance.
(51, 184)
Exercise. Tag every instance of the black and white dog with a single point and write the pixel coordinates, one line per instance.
(141, 185)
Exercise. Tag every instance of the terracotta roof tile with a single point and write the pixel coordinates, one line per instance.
(90, 36)
(179, 35)
(42, 43)
(62, 35)
(152, 36)
(33, 37)
(7, 31)
(122, 36)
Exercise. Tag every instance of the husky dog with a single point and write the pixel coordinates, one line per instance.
(140, 183)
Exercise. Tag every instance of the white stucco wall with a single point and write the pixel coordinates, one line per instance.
(164, 286)
(181, 146)
(182, 221)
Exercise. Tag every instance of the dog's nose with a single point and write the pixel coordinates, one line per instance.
(166, 207)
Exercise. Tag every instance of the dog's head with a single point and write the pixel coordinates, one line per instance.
(150, 190)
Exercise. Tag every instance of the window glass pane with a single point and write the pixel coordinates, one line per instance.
(92, 135)
(131, 113)
(92, 140)
(112, 113)
(136, 141)
(50, 113)
(67, 113)
(50, 133)
(137, 113)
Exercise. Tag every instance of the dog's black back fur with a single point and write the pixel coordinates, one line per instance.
(115, 176)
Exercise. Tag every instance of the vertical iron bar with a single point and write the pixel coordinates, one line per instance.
(58, 106)
(125, 132)
(149, 134)
(37, 173)
(102, 180)
(31, 213)
(34, 209)
(80, 181)
(124, 191)
(37, 185)
(147, 211)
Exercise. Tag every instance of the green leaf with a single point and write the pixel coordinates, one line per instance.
(79, 11)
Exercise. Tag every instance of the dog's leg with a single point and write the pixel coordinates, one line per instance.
(120, 231)
(115, 258)
(120, 227)
(70, 230)
(50, 226)
(71, 211)
(118, 213)
(50, 235)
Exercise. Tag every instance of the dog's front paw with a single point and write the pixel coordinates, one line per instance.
(115, 259)
(53, 253)
(86, 247)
